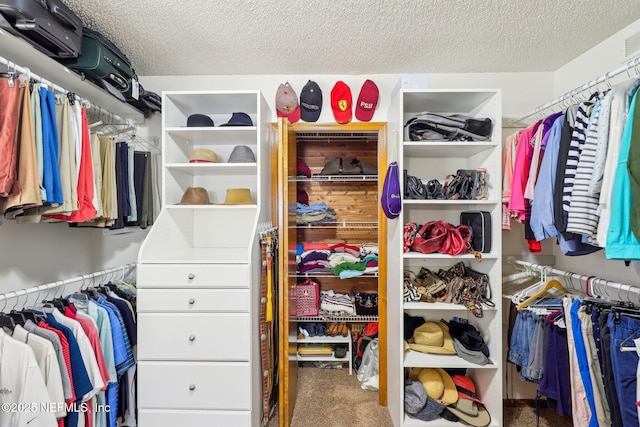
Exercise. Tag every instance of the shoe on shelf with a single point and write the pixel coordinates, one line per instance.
(311, 328)
(340, 351)
(332, 329)
(321, 330)
(344, 329)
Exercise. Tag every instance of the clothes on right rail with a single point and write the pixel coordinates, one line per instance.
(575, 176)
(584, 358)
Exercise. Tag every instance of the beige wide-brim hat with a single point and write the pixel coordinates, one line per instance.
(203, 155)
(195, 196)
(238, 196)
(471, 413)
(438, 384)
(432, 337)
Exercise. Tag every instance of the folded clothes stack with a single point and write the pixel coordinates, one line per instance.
(315, 213)
(340, 259)
(336, 303)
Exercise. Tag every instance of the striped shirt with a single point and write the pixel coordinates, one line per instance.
(583, 209)
(578, 138)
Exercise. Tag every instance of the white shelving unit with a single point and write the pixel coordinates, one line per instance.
(329, 358)
(435, 160)
(199, 270)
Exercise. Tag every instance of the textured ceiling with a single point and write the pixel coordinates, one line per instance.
(207, 37)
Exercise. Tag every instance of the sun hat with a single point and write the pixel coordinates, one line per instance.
(438, 385)
(469, 408)
(341, 102)
(468, 336)
(238, 196)
(310, 102)
(242, 154)
(239, 119)
(199, 120)
(195, 196)
(203, 155)
(367, 101)
(287, 103)
(418, 404)
(432, 337)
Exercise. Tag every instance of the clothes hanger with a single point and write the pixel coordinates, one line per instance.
(549, 285)
(5, 320)
(18, 317)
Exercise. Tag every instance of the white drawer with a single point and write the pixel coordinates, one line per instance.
(198, 385)
(193, 300)
(207, 336)
(193, 276)
(173, 418)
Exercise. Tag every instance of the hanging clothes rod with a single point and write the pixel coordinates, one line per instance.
(13, 66)
(593, 83)
(612, 291)
(53, 285)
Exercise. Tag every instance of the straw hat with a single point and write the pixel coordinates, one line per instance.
(438, 384)
(238, 196)
(195, 196)
(432, 337)
(203, 155)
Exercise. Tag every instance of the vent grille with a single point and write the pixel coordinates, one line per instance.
(336, 136)
(632, 45)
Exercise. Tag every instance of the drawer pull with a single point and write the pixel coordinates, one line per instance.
(192, 337)
(192, 387)
(192, 301)
(191, 276)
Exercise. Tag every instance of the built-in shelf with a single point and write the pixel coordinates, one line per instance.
(334, 178)
(213, 168)
(444, 203)
(417, 359)
(417, 305)
(418, 255)
(339, 224)
(354, 318)
(326, 274)
(416, 149)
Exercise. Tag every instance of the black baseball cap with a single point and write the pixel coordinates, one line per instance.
(310, 102)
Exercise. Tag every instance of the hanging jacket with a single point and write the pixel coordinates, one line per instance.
(621, 241)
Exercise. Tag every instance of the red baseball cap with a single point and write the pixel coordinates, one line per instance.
(287, 103)
(367, 101)
(466, 388)
(341, 102)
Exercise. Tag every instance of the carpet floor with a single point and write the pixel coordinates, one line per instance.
(333, 398)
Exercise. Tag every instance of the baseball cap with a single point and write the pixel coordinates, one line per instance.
(287, 103)
(341, 101)
(367, 101)
(199, 120)
(310, 102)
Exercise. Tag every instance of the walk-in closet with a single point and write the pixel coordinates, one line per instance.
(319, 215)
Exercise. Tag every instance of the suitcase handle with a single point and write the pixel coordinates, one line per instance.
(63, 17)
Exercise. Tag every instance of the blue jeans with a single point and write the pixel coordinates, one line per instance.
(583, 361)
(523, 329)
(623, 331)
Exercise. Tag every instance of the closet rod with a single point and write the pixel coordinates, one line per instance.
(57, 284)
(572, 93)
(13, 66)
(598, 285)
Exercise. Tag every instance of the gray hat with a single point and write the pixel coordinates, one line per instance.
(473, 356)
(418, 404)
(242, 154)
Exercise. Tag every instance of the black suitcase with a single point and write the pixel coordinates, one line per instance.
(103, 63)
(48, 25)
(148, 102)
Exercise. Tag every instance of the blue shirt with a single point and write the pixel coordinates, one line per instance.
(128, 361)
(542, 219)
(117, 331)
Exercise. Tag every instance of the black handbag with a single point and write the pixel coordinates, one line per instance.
(480, 224)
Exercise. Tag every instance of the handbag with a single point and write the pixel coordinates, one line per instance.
(307, 298)
(480, 224)
(430, 237)
(366, 303)
(391, 200)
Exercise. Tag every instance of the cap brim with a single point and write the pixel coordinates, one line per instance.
(342, 117)
(365, 115)
(310, 116)
(483, 418)
(292, 117)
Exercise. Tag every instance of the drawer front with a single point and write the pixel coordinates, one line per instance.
(207, 336)
(193, 276)
(193, 300)
(166, 418)
(198, 385)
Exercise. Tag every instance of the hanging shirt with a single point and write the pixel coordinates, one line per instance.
(595, 182)
(97, 175)
(9, 115)
(508, 163)
(542, 219)
(538, 151)
(620, 104)
(521, 171)
(21, 382)
(50, 147)
(133, 216)
(621, 242)
(36, 110)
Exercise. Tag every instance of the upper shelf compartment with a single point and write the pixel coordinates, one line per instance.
(218, 105)
(22, 53)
